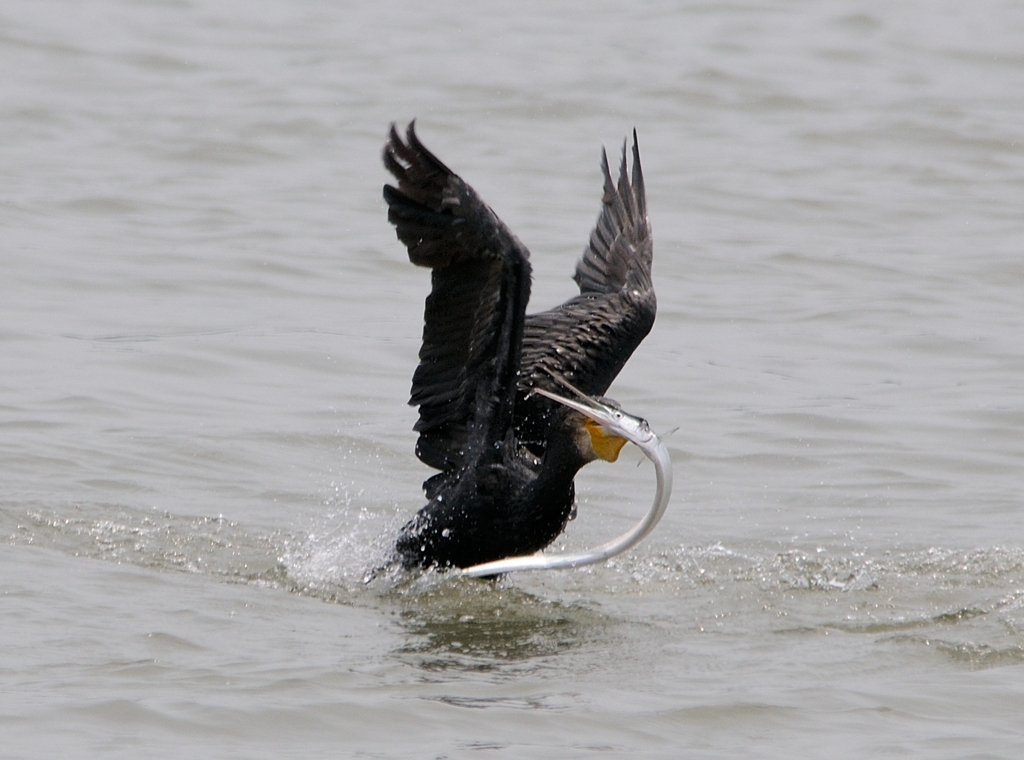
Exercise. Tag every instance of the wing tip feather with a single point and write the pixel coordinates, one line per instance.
(620, 240)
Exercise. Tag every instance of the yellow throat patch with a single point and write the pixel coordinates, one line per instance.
(606, 445)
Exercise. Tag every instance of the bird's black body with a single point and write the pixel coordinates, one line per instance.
(507, 458)
(504, 506)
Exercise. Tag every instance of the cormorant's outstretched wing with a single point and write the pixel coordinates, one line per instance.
(587, 340)
(621, 248)
(465, 383)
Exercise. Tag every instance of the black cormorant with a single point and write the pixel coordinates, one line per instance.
(508, 455)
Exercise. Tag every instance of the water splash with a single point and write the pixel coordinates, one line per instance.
(154, 539)
(965, 604)
(348, 546)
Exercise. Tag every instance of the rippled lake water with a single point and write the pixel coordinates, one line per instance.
(207, 332)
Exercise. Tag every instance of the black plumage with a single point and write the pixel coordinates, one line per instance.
(507, 458)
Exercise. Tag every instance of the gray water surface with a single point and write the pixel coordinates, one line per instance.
(208, 329)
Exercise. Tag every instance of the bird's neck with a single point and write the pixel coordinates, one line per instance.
(562, 458)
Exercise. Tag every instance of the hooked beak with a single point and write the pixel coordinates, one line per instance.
(605, 414)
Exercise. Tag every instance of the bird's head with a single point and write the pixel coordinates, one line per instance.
(604, 428)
